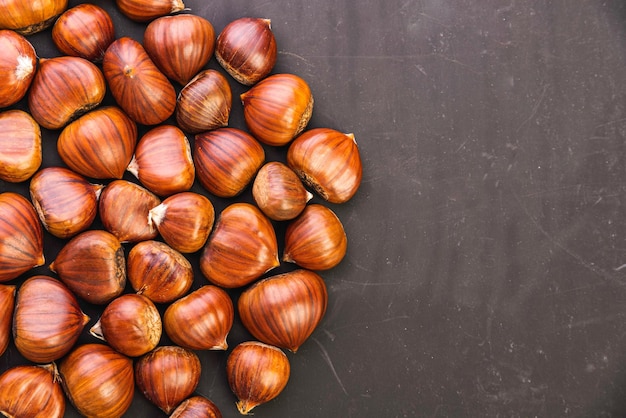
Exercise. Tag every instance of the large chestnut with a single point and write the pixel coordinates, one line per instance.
(18, 64)
(29, 17)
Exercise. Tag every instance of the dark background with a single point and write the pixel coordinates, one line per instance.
(485, 270)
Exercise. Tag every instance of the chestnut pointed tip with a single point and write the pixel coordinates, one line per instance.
(133, 167)
(244, 407)
(51, 267)
(96, 331)
(41, 260)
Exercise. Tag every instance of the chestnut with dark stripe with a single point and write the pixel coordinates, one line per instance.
(285, 309)
(21, 236)
(47, 320)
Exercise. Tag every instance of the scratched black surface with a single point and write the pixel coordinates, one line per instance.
(486, 266)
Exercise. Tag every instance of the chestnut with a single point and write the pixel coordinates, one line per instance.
(30, 17)
(17, 66)
(31, 390)
(20, 146)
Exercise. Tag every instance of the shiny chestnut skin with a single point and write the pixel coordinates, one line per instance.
(18, 64)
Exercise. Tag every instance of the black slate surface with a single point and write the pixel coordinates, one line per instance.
(487, 256)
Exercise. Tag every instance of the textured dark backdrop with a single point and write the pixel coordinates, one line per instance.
(486, 263)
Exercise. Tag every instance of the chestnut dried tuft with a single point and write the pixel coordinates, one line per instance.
(257, 373)
(246, 49)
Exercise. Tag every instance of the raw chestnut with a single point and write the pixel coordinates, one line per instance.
(278, 192)
(7, 304)
(85, 31)
(21, 236)
(316, 239)
(93, 266)
(241, 248)
(180, 45)
(124, 208)
(277, 108)
(328, 161)
(196, 407)
(99, 144)
(167, 376)
(18, 64)
(257, 373)
(201, 320)
(65, 201)
(158, 272)
(246, 49)
(184, 221)
(163, 161)
(136, 83)
(20, 146)
(226, 160)
(131, 324)
(284, 310)
(47, 320)
(98, 380)
(31, 390)
(204, 103)
(145, 10)
(29, 17)
(63, 89)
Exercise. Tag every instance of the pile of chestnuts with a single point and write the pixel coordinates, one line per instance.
(132, 220)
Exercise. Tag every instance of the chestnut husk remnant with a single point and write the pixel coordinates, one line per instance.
(246, 49)
(137, 85)
(98, 380)
(196, 407)
(20, 146)
(257, 373)
(32, 390)
(47, 320)
(30, 17)
(93, 266)
(277, 108)
(167, 376)
(18, 65)
(285, 309)
(180, 45)
(241, 248)
(7, 304)
(315, 240)
(21, 236)
(328, 161)
(85, 31)
(201, 320)
(99, 144)
(64, 88)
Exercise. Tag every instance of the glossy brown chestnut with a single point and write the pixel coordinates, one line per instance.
(184, 221)
(18, 64)
(65, 201)
(145, 10)
(277, 108)
(328, 161)
(93, 266)
(20, 146)
(204, 103)
(316, 239)
(7, 304)
(257, 373)
(131, 324)
(47, 320)
(241, 248)
(63, 89)
(180, 45)
(158, 272)
(136, 83)
(284, 310)
(278, 192)
(21, 236)
(226, 160)
(124, 207)
(196, 407)
(163, 161)
(167, 376)
(29, 17)
(85, 31)
(98, 380)
(99, 144)
(201, 320)
(246, 49)
(29, 391)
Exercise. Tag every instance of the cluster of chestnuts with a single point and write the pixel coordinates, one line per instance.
(152, 223)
